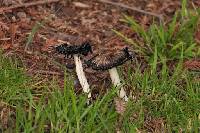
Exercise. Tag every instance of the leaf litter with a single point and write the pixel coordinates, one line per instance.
(88, 19)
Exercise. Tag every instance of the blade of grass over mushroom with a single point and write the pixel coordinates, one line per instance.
(116, 81)
(81, 75)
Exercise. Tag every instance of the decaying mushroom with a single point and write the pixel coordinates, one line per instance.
(75, 50)
(109, 61)
(69, 50)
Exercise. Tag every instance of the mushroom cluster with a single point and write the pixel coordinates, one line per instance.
(100, 62)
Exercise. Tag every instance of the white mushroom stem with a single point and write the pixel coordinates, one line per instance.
(81, 75)
(116, 81)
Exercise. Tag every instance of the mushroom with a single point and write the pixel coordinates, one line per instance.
(75, 50)
(109, 61)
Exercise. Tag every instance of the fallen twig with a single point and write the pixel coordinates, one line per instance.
(133, 8)
(2, 104)
(45, 72)
(4, 25)
(5, 39)
(41, 2)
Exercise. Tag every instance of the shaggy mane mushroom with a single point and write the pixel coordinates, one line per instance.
(109, 61)
(74, 51)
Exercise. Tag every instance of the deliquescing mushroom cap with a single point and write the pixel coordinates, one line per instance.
(107, 60)
(74, 46)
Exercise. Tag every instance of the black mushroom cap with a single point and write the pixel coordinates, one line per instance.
(68, 49)
(107, 61)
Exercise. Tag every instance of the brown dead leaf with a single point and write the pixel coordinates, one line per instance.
(154, 125)
(6, 46)
(13, 31)
(49, 42)
(1, 33)
(21, 15)
(120, 105)
(4, 26)
(151, 7)
(144, 20)
(58, 24)
(4, 117)
(192, 64)
(197, 36)
(197, 2)
(11, 2)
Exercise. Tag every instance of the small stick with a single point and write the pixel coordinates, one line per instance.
(45, 72)
(41, 2)
(132, 8)
(5, 39)
(4, 25)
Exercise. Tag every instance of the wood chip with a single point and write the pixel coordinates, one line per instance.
(81, 5)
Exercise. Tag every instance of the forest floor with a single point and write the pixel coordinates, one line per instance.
(29, 28)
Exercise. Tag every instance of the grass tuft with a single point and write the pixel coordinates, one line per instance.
(166, 42)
